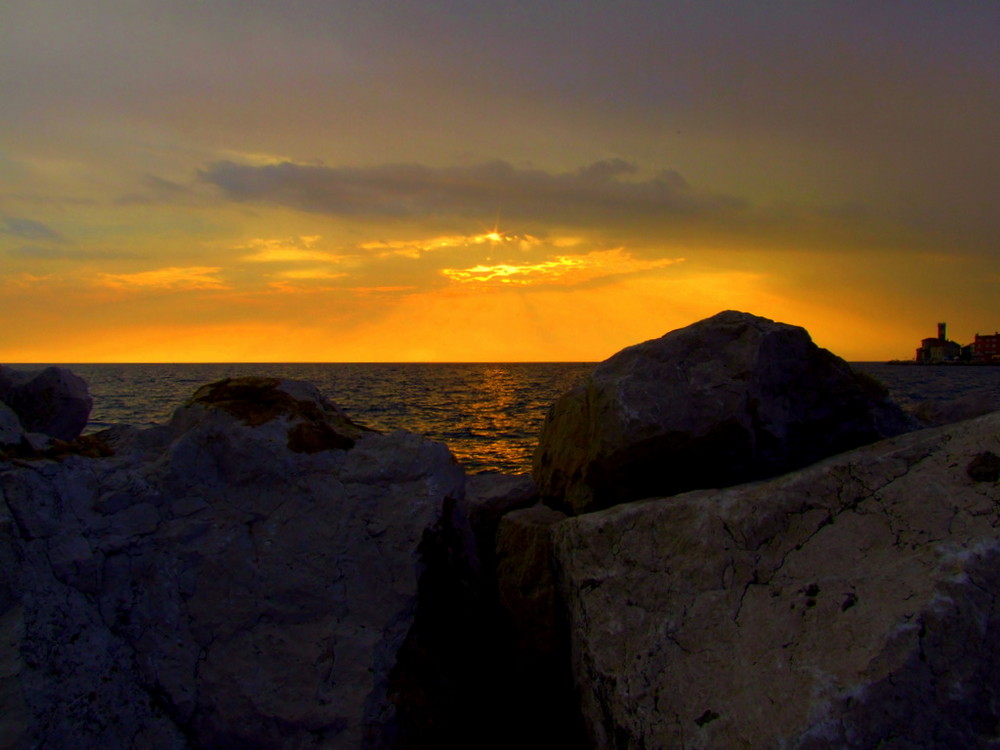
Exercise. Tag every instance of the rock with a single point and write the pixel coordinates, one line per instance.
(730, 399)
(38, 442)
(850, 604)
(526, 579)
(526, 582)
(54, 402)
(11, 432)
(985, 467)
(313, 423)
(488, 497)
(937, 412)
(246, 577)
(8, 378)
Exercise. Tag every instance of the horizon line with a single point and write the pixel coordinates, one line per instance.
(318, 362)
(371, 362)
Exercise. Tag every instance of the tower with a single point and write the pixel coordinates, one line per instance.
(942, 331)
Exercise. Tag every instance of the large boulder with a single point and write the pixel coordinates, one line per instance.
(729, 399)
(851, 604)
(245, 577)
(526, 583)
(490, 497)
(526, 580)
(11, 432)
(54, 402)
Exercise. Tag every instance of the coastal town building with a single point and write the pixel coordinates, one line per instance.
(939, 349)
(986, 348)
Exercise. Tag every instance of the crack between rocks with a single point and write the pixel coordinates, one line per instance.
(844, 506)
(869, 494)
(754, 581)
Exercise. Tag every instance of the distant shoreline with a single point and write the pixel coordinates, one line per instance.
(941, 364)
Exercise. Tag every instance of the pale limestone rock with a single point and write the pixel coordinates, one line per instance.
(729, 399)
(243, 578)
(851, 604)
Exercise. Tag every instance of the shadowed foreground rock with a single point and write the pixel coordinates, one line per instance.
(53, 402)
(243, 578)
(730, 399)
(851, 604)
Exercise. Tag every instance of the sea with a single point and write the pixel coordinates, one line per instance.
(488, 414)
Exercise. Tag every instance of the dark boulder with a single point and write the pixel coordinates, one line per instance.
(10, 427)
(54, 402)
(730, 399)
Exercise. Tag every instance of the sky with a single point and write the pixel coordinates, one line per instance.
(461, 180)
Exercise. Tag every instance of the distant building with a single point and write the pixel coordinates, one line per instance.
(939, 349)
(986, 348)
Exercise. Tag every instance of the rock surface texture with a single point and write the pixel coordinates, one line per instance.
(730, 399)
(851, 604)
(54, 402)
(242, 578)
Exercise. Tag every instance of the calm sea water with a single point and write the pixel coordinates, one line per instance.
(910, 385)
(488, 414)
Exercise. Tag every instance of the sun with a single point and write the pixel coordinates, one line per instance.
(495, 237)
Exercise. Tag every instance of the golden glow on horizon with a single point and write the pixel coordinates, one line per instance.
(306, 290)
(459, 322)
(535, 310)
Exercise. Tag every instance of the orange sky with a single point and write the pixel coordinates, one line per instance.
(249, 182)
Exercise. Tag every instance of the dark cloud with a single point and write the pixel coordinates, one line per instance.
(29, 230)
(155, 190)
(598, 194)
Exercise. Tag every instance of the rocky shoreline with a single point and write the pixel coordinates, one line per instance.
(730, 539)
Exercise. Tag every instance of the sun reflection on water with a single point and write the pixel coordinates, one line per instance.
(488, 414)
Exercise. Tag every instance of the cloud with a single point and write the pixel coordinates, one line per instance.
(290, 249)
(188, 278)
(27, 280)
(30, 230)
(155, 190)
(418, 248)
(310, 274)
(603, 193)
(560, 270)
(49, 252)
